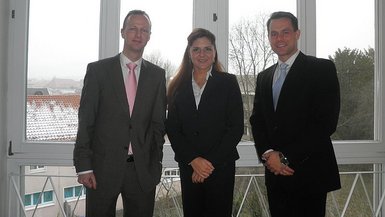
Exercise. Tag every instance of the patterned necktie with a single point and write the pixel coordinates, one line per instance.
(278, 83)
(131, 85)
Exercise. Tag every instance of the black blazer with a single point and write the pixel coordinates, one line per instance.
(214, 129)
(306, 116)
(106, 128)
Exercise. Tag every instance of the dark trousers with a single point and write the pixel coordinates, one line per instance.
(284, 202)
(213, 197)
(136, 203)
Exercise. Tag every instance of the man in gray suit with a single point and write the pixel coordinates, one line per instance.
(120, 137)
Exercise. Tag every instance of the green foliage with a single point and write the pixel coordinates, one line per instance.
(355, 69)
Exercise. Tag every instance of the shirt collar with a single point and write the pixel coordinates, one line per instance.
(290, 61)
(124, 60)
(207, 74)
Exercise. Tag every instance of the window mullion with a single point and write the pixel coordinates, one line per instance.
(109, 28)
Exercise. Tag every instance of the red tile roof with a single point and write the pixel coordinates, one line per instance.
(52, 117)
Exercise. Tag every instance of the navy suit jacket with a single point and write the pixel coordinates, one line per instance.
(214, 129)
(305, 118)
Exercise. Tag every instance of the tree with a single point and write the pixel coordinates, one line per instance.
(355, 70)
(249, 54)
(155, 57)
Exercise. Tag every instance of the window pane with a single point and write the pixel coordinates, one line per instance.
(27, 200)
(78, 190)
(63, 37)
(348, 40)
(36, 198)
(68, 192)
(249, 48)
(48, 196)
(170, 29)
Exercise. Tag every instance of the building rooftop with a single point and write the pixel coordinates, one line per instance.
(52, 117)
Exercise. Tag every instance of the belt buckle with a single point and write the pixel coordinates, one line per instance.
(130, 158)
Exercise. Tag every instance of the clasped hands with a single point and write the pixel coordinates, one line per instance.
(274, 164)
(202, 169)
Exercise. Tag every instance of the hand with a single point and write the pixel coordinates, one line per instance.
(202, 167)
(273, 163)
(196, 178)
(88, 180)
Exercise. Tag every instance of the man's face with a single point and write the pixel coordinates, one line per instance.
(283, 39)
(136, 33)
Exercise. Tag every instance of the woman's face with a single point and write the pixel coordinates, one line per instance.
(202, 54)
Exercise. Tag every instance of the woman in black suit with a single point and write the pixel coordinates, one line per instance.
(204, 125)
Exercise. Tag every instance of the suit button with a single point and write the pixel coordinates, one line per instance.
(125, 147)
(196, 133)
(130, 126)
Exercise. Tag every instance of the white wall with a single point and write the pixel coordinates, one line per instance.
(4, 12)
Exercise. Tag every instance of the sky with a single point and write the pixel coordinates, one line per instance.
(63, 45)
(62, 38)
(352, 27)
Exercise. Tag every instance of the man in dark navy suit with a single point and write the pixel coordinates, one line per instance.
(296, 109)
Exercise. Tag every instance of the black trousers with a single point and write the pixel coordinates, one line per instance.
(284, 202)
(213, 197)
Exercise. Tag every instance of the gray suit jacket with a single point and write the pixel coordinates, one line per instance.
(105, 128)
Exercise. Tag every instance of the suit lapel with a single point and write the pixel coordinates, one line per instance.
(294, 80)
(269, 87)
(117, 82)
(186, 94)
(143, 81)
(211, 84)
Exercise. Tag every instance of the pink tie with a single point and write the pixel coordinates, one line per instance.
(131, 92)
(131, 86)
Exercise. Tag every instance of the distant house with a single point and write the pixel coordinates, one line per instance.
(65, 86)
(55, 86)
(38, 91)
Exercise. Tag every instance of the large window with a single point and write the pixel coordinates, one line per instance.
(52, 54)
(62, 39)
